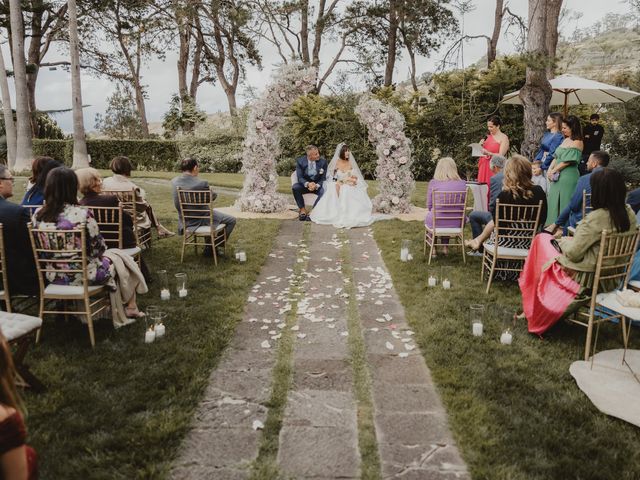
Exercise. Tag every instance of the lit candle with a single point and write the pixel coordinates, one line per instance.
(432, 281)
(477, 329)
(159, 330)
(506, 338)
(149, 336)
(409, 257)
(446, 284)
(165, 294)
(242, 256)
(182, 292)
(404, 254)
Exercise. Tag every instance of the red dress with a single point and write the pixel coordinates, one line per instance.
(484, 170)
(13, 435)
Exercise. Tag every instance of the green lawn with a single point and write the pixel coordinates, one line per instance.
(121, 410)
(515, 411)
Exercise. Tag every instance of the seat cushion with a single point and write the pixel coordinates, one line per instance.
(448, 231)
(15, 325)
(132, 251)
(610, 301)
(205, 229)
(506, 251)
(69, 290)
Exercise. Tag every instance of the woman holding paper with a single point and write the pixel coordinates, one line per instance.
(495, 143)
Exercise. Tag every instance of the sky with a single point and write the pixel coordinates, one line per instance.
(54, 87)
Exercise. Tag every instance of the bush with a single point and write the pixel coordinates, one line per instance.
(628, 168)
(216, 154)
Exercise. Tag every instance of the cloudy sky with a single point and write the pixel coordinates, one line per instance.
(54, 87)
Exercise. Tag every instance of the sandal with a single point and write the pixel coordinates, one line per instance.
(133, 313)
(165, 234)
(472, 244)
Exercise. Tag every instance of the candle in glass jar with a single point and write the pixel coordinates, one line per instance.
(149, 336)
(160, 329)
(477, 329)
(182, 292)
(506, 338)
(432, 281)
(446, 284)
(242, 256)
(165, 294)
(404, 254)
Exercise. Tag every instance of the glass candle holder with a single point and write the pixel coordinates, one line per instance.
(405, 251)
(149, 332)
(241, 254)
(476, 316)
(446, 277)
(158, 321)
(432, 279)
(506, 338)
(165, 293)
(181, 284)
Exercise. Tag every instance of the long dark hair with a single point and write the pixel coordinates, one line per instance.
(343, 151)
(574, 125)
(44, 168)
(60, 189)
(609, 191)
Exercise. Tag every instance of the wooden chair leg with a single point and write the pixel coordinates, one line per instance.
(184, 244)
(491, 272)
(39, 332)
(87, 307)
(424, 248)
(464, 258)
(433, 240)
(28, 378)
(587, 347)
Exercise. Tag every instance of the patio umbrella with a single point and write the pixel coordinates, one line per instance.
(573, 90)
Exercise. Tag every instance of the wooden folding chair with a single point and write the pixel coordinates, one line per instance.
(4, 293)
(196, 210)
(129, 201)
(20, 331)
(109, 220)
(65, 252)
(449, 206)
(613, 267)
(514, 225)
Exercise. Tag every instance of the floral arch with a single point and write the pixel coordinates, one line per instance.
(385, 125)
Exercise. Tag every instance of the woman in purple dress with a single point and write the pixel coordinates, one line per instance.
(445, 179)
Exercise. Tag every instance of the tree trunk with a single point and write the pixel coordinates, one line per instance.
(391, 45)
(33, 59)
(24, 145)
(304, 31)
(195, 71)
(140, 106)
(536, 93)
(492, 46)
(80, 156)
(553, 17)
(184, 36)
(9, 124)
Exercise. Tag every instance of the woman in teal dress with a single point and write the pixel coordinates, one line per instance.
(563, 171)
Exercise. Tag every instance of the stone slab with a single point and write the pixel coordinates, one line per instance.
(322, 375)
(310, 452)
(321, 408)
(390, 397)
(409, 371)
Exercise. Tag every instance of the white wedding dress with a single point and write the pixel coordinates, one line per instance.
(351, 207)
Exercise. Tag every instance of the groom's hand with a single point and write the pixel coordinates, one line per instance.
(311, 186)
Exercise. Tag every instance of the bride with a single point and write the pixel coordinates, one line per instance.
(345, 203)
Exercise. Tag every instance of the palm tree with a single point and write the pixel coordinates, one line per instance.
(24, 145)
(80, 157)
(9, 124)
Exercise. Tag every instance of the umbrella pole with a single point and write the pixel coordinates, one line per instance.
(566, 107)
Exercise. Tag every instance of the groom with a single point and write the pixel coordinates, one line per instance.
(311, 170)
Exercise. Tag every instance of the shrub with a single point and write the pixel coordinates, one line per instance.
(216, 154)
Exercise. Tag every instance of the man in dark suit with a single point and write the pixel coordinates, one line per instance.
(311, 170)
(21, 276)
(189, 181)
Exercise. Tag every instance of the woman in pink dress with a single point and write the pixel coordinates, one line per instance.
(496, 143)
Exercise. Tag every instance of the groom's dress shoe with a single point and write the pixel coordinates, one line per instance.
(302, 216)
(308, 218)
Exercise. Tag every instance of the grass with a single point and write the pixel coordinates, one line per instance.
(367, 441)
(516, 412)
(120, 411)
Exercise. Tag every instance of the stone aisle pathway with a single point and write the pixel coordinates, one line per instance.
(354, 362)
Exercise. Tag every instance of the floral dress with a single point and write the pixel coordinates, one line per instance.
(99, 269)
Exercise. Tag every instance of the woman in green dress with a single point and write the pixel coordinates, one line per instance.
(563, 171)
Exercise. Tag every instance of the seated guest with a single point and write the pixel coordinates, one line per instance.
(40, 168)
(572, 214)
(22, 277)
(479, 220)
(445, 179)
(556, 282)
(633, 199)
(90, 186)
(539, 177)
(121, 181)
(61, 211)
(518, 189)
(189, 181)
(17, 459)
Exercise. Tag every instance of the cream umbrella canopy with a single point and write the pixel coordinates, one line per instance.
(573, 90)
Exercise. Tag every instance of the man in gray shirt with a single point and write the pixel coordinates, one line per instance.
(479, 220)
(189, 181)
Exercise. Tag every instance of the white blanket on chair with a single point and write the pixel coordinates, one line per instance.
(129, 280)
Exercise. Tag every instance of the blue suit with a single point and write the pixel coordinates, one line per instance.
(306, 175)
